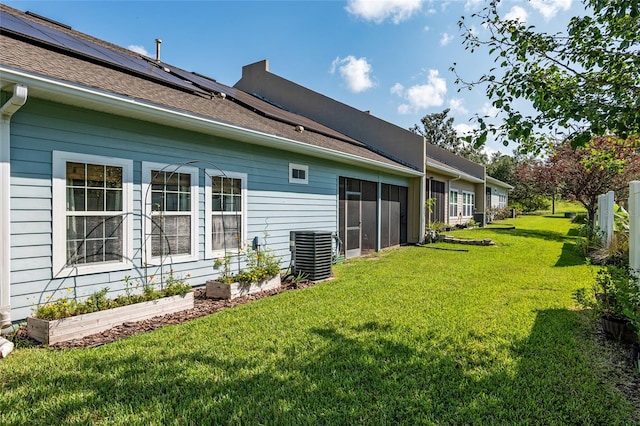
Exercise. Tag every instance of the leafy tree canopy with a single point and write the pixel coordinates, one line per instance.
(582, 83)
(604, 164)
(437, 129)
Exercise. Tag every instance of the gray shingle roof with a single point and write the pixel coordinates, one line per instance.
(244, 111)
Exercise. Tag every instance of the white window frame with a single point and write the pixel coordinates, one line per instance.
(292, 167)
(147, 168)
(468, 203)
(453, 204)
(502, 201)
(210, 253)
(59, 220)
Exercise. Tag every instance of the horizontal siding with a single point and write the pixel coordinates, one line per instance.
(275, 206)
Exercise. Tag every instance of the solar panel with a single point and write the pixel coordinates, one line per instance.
(202, 81)
(147, 67)
(89, 49)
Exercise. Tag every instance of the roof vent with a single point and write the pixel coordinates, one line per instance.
(299, 128)
(158, 43)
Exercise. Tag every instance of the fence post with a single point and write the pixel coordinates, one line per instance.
(605, 216)
(634, 226)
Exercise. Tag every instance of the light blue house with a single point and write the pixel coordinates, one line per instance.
(113, 164)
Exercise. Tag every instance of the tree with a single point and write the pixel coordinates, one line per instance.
(527, 194)
(548, 180)
(502, 167)
(604, 164)
(438, 130)
(581, 83)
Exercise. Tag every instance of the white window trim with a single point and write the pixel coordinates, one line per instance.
(457, 203)
(147, 167)
(465, 205)
(293, 166)
(59, 204)
(208, 226)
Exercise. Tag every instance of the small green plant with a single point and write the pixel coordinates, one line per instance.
(67, 307)
(614, 294)
(223, 264)
(437, 226)
(259, 264)
(176, 286)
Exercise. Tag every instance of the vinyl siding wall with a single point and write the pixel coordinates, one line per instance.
(461, 186)
(274, 205)
(496, 192)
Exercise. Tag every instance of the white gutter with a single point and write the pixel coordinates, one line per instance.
(91, 98)
(452, 172)
(496, 182)
(14, 103)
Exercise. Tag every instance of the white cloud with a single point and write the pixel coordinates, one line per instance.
(138, 49)
(550, 8)
(464, 129)
(474, 5)
(426, 28)
(356, 72)
(445, 39)
(489, 110)
(423, 96)
(397, 89)
(380, 10)
(456, 105)
(517, 13)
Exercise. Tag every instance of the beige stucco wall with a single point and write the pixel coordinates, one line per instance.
(397, 142)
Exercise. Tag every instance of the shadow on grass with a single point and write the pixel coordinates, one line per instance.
(574, 232)
(570, 256)
(555, 216)
(529, 233)
(363, 374)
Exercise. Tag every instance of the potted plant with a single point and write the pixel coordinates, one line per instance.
(259, 270)
(615, 300)
(69, 318)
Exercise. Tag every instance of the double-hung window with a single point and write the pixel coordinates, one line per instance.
(92, 208)
(453, 203)
(502, 201)
(468, 203)
(226, 211)
(170, 195)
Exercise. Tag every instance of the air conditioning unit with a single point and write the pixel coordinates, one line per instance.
(311, 254)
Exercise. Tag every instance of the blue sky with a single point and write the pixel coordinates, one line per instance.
(389, 57)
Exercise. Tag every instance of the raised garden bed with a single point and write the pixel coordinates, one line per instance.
(75, 327)
(219, 290)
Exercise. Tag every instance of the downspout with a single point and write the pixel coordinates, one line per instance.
(7, 110)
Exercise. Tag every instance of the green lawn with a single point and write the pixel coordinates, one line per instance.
(409, 336)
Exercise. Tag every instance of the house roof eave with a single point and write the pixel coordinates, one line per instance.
(451, 172)
(95, 99)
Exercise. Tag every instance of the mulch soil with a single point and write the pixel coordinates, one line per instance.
(202, 306)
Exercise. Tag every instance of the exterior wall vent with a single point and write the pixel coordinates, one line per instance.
(311, 254)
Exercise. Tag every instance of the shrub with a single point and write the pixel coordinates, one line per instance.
(259, 264)
(66, 307)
